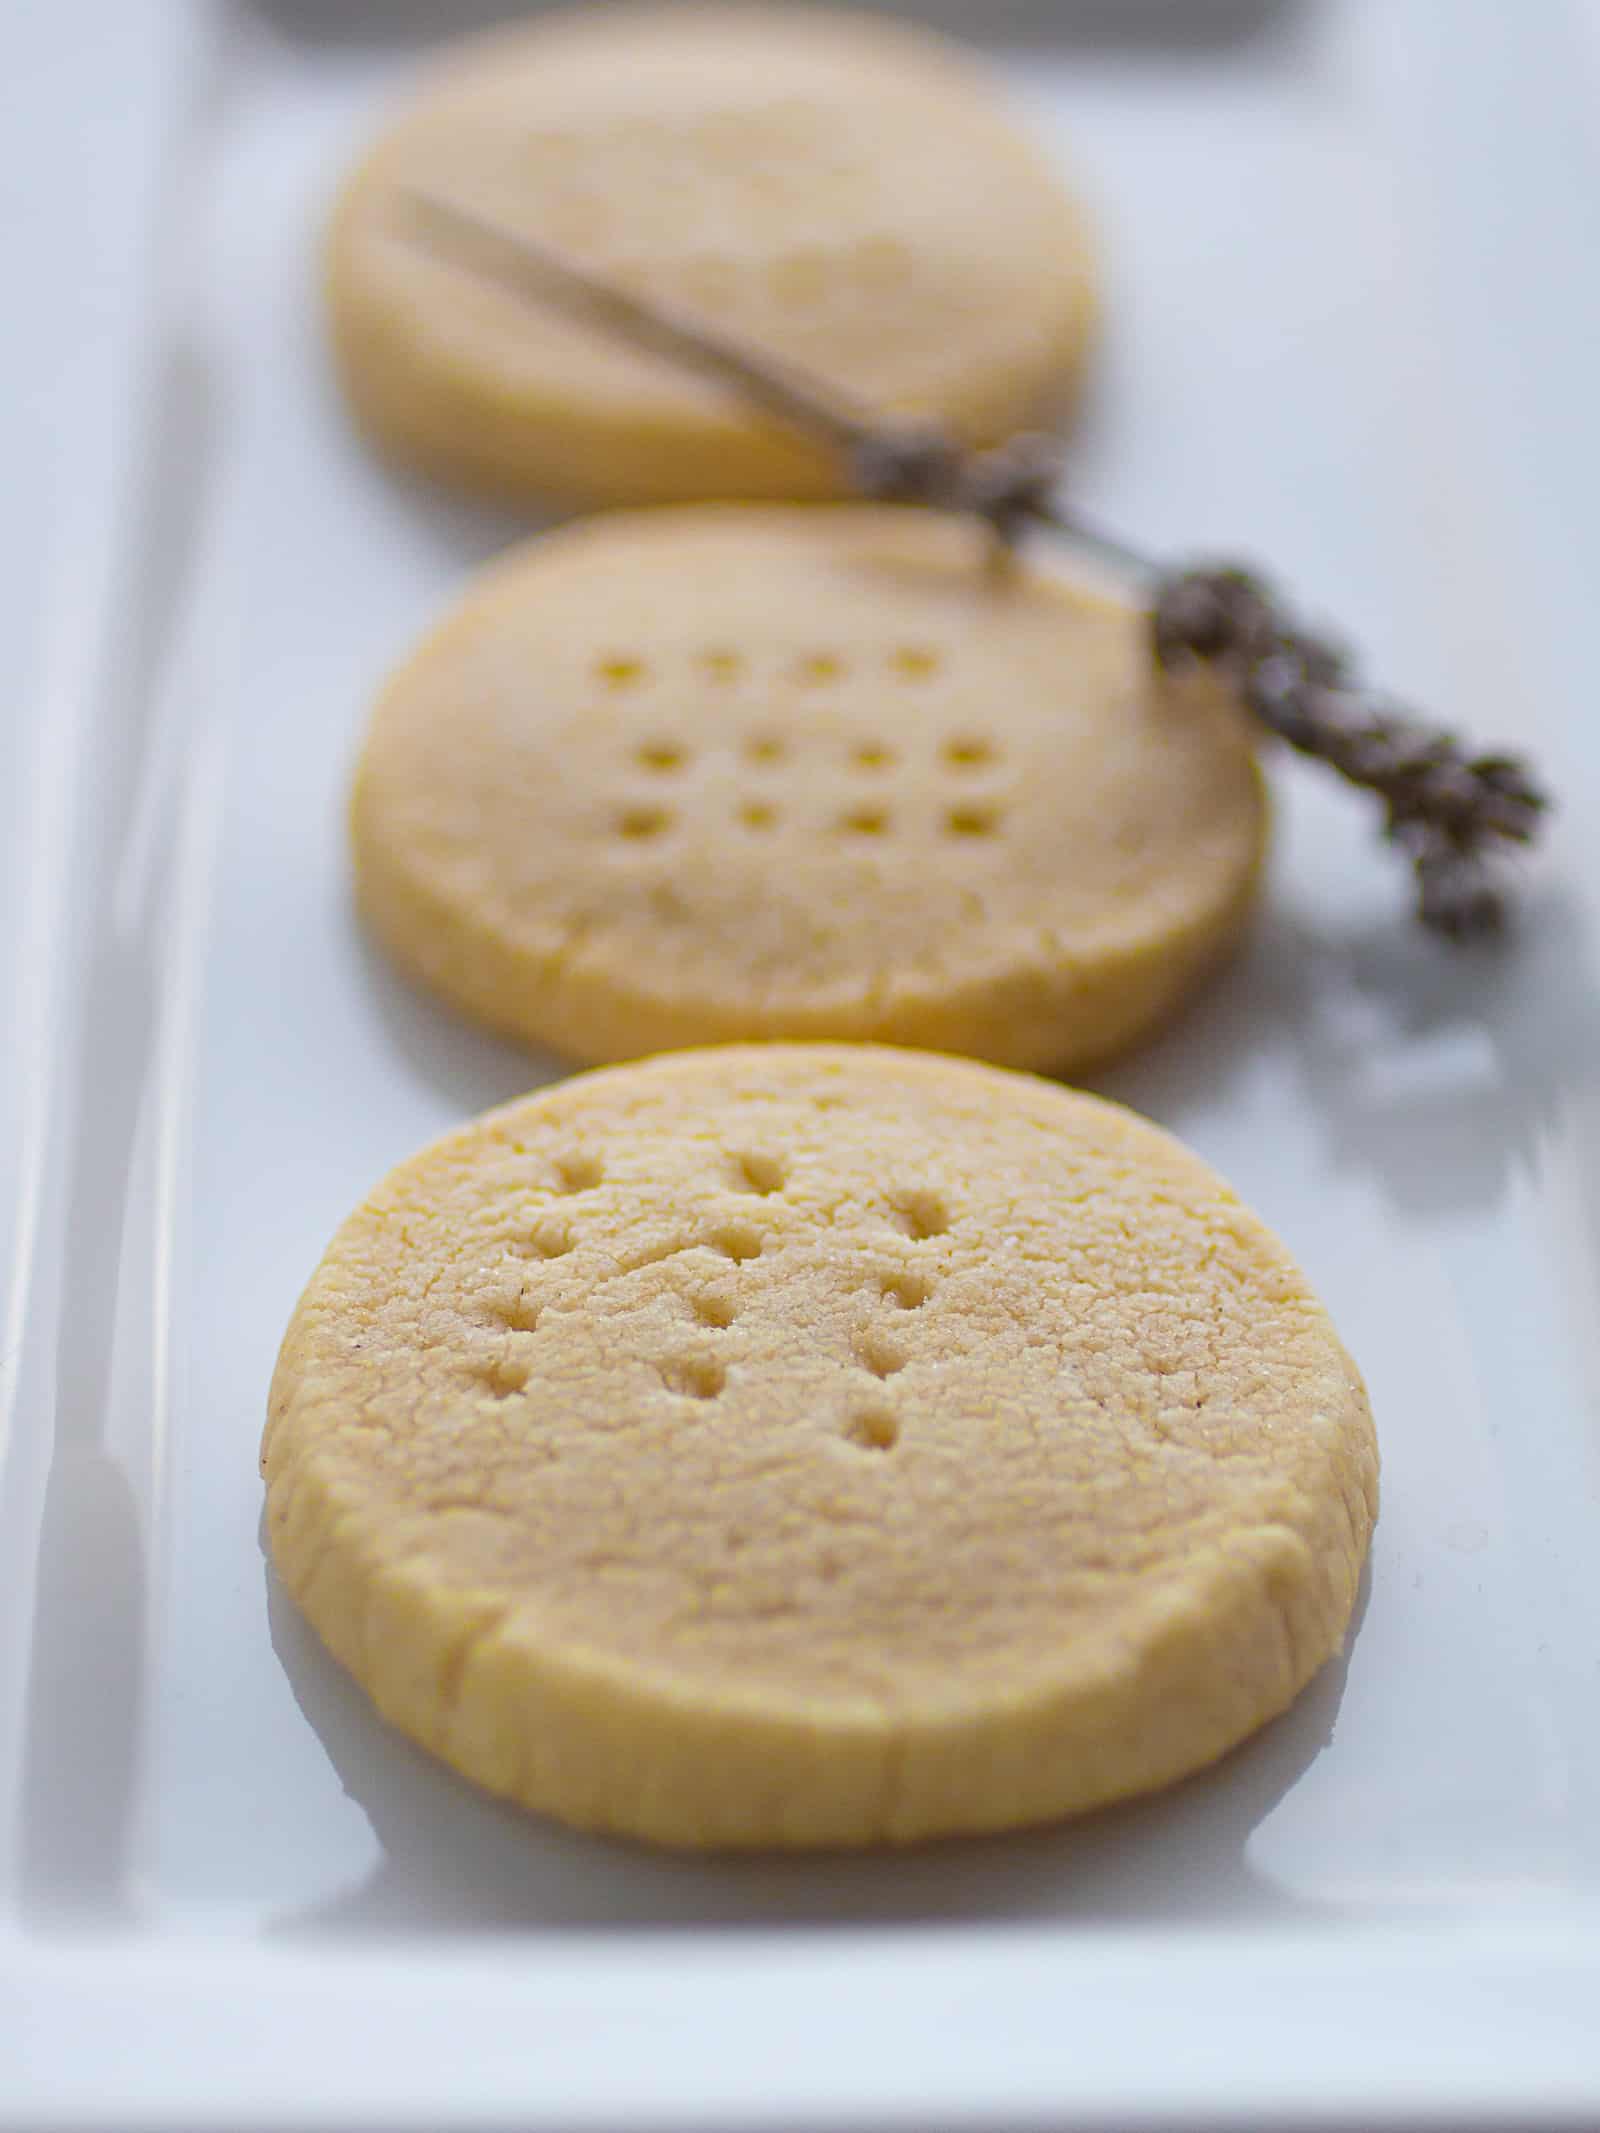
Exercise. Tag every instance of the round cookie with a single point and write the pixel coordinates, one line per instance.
(842, 192)
(695, 776)
(817, 1445)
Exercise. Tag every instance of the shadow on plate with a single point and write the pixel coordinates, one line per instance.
(1164, 26)
(471, 1070)
(456, 1860)
(1434, 1071)
(468, 531)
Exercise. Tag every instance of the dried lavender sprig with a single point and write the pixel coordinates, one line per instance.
(532, 267)
(1453, 813)
(890, 459)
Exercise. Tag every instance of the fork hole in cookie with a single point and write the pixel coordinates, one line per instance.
(758, 815)
(639, 823)
(915, 662)
(872, 755)
(620, 670)
(907, 1292)
(578, 1172)
(660, 757)
(766, 748)
(817, 669)
(694, 1377)
(972, 822)
(737, 1241)
(754, 1172)
(920, 1213)
(879, 1355)
(866, 822)
(874, 1427)
(721, 665)
(506, 1376)
(969, 751)
(714, 1311)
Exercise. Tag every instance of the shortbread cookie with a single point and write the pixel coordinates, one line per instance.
(694, 776)
(844, 193)
(817, 1445)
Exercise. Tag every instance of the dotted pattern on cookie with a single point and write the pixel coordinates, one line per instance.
(817, 1445)
(683, 777)
(660, 755)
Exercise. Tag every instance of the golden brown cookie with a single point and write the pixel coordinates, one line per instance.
(817, 1445)
(686, 777)
(843, 192)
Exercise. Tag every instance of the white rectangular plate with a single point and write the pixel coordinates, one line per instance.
(1354, 323)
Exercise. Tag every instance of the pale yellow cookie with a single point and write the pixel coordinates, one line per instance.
(817, 1445)
(685, 777)
(846, 193)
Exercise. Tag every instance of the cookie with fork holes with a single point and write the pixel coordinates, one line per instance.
(738, 772)
(817, 1445)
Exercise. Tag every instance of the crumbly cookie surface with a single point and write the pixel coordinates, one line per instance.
(803, 1445)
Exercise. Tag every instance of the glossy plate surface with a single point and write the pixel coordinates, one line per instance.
(1353, 318)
